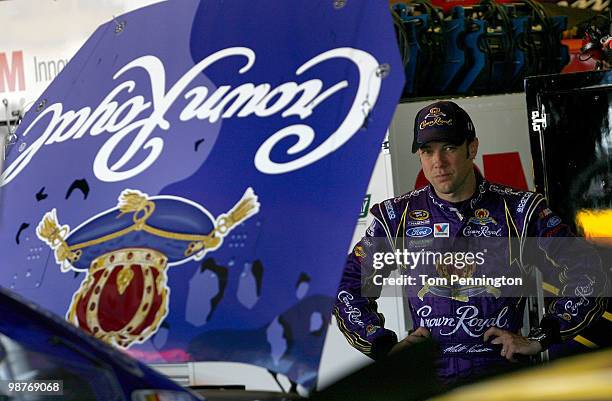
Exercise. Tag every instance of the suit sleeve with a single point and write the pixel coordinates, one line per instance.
(571, 268)
(357, 315)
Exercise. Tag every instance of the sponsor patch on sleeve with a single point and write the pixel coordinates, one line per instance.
(371, 329)
(370, 231)
(553, 231)
(545, 212)
(553, 222)
(523, 202)
(390, 211)
(359, 251)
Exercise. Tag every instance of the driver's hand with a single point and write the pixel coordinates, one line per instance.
(417, 336)
(512, 344)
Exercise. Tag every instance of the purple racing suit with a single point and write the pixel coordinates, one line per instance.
(458, 315)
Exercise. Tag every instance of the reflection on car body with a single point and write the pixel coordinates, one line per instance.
(37, 346)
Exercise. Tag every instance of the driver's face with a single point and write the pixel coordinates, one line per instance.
(448, 166)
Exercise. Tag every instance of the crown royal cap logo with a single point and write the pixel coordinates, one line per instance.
(435, 117)
(435, 112)
(126, 252)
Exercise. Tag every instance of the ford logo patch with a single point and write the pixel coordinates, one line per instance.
(419, 232)
(554, 221)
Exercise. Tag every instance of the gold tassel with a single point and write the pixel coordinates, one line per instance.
(244, 209)
(136, 202)
(50, 231)
(132, 201)
(247, 206)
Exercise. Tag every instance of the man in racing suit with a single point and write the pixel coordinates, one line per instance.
(477, 329)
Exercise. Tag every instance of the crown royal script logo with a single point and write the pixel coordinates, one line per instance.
(139, 120)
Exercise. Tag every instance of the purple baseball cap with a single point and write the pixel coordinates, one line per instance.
(442, 121)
